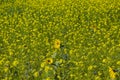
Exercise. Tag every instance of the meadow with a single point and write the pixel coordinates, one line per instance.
(59, 39)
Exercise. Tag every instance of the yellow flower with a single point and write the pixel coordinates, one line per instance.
(90, 67)
(47, 68)
(10, 52)
(59, 77)
(118, 62)
(97, 78)
(49, 60)
(1, 61)
(6, 69)
(42, 64)
(61, 61)
(48, 78)
(104, 60)
(36, 74)
(15, 63)
(112, 73)
(99, 73)
(72, 75)
(57, 44)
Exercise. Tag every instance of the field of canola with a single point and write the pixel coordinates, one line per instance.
(59, 39)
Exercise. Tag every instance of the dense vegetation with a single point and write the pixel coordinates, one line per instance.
(59, 39)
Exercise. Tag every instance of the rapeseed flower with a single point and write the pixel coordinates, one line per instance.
(15, 63)
(6, 69)
(36, 74)
(112, 73)
(1, 62)
(48, 78)
(90, 67)
(118, 62)
(47, 68)
(97, 78)
(104, 60)
(43, 64)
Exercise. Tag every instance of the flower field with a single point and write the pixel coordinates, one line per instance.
(59, 39)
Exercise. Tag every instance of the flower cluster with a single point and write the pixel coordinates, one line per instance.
(59, 39)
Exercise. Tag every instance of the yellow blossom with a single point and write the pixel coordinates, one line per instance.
(42, 64)
(72, 75)
(112, 73)
(57, 44)
(61, 61)
(118, 62)
(48, 78)
(1, 61)
(49, 60)
(10, 52)
(36, 74)
(90, 67)
(104, 60)
(6, 69)
(97, 78)
(47, 68)
(15, 63)
(99, 73)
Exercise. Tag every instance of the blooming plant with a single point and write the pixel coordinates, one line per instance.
(59, 39)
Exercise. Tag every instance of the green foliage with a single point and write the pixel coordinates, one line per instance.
(88, 32)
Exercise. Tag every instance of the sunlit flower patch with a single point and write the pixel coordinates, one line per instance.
(59, 40)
